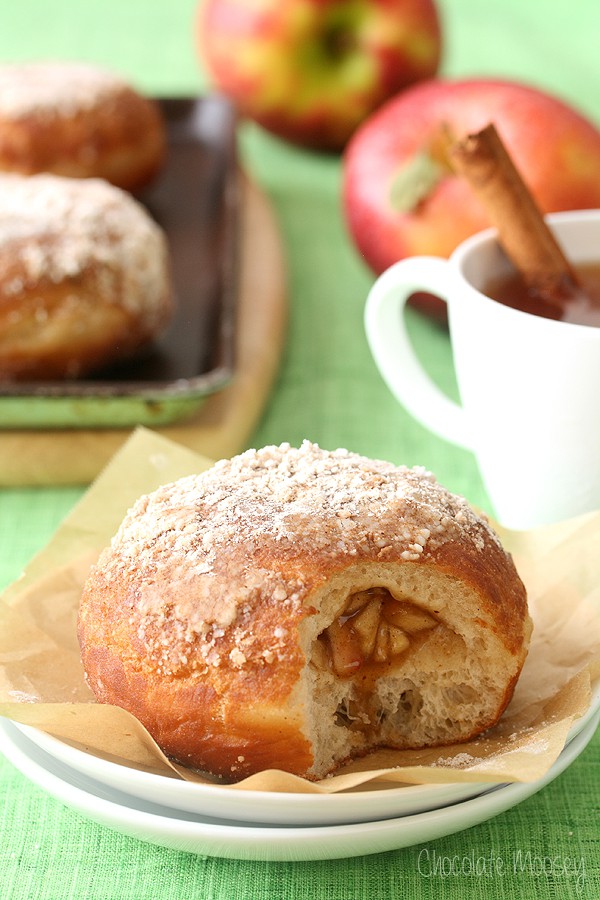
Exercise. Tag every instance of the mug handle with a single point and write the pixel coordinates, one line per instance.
(393, 352)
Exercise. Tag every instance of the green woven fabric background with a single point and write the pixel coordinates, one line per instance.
(330, 392)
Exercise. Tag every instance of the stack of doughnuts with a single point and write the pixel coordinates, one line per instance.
(84, 270)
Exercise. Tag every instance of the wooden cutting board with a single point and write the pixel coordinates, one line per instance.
(225, 422)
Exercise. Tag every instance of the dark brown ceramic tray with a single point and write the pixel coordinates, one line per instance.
(195, 200)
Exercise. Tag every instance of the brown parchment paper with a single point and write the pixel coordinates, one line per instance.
(42, 683)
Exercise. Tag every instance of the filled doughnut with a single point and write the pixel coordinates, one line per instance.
(296, 608)
(78, 120)
(84, 277)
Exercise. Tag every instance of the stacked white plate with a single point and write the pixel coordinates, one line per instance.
(239, 824)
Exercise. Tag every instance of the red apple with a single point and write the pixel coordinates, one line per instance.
(400, 199)
(311, 70)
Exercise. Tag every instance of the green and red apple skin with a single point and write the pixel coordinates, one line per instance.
(391, 215)
(311, 71)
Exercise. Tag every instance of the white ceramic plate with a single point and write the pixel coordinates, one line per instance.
(368, 804)
(238, 840)
(258, 807)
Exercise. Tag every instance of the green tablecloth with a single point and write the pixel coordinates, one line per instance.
(330, 392)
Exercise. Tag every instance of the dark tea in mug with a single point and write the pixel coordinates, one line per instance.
(580, 305)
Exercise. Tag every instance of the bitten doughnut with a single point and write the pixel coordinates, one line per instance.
(84, 276)
(295, 608)
(78, 120)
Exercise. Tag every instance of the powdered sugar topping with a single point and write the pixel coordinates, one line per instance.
(51, 88)
(55, 228)
(204, 548)
(328, 502)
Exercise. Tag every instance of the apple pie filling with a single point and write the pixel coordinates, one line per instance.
(373, 634)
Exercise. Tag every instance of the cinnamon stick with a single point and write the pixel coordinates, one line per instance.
(528, 242)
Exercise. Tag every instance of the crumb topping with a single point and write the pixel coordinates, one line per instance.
(204, 550)
(57, 228)
(54, 88)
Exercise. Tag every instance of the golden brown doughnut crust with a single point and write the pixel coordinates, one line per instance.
(84, 276)
(195, 617)
(78, 120)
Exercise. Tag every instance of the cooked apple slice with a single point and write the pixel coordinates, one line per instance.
(409, 617)
(345, 649)
(398, 641)
(365, 624)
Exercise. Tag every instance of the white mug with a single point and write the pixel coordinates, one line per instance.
(529, 386)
